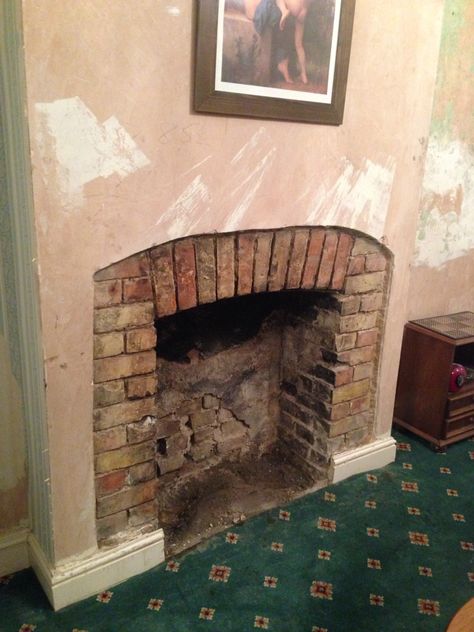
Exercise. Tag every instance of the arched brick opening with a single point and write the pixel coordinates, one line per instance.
(327, 408)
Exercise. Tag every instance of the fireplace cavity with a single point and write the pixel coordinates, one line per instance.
(259, 347)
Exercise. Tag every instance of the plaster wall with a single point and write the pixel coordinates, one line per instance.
(443, 264)
(120, 163)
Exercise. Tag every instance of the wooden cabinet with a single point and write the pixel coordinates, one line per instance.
(423, 402)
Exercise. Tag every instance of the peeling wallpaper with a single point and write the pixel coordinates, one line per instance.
(446, 224)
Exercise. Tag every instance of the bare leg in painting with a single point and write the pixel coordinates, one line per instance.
(299, 8)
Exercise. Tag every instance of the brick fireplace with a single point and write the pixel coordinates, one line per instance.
(303, 378)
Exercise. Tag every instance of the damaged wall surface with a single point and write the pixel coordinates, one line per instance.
(441, 279)
(151, 170)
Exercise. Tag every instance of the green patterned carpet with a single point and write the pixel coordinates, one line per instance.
(384, 552)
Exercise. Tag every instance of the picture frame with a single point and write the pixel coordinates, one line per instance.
(240, 61)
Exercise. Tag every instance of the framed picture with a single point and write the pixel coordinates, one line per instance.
(276, 59)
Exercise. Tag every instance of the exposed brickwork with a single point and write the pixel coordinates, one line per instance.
(329, 367)
(134, 266)
(108, 293)
(185, 274)
(163, 280)
(344, 248)
(137, 290)
(313, 258)
(225, 267)
(279, 262)
(245, 258)
(262, 262)
(206, 269)
(297, 259)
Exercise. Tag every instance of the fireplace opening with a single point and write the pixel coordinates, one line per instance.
(229, 369)
(220, 369)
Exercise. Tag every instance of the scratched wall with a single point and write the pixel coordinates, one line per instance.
(121, 163)
(441, 280)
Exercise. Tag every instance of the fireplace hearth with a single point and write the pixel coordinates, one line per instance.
(229, 369)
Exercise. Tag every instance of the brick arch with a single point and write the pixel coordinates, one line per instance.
(198, 270)
(335, 374)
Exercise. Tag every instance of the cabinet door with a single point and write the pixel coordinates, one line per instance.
(423, 381)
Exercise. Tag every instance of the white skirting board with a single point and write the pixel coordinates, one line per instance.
(368, 457)
(14, 552)
(67, 584)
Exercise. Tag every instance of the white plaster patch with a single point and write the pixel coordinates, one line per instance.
(445, 229)
(173, 10)
(359, 198)
(185, 213)
(85, 149)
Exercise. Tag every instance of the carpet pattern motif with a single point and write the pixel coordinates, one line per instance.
(388, 551)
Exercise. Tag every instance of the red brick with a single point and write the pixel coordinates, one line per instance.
(109, 393)
(368, 337)
(123, 457)
(122, 316)
(358, 322)
(279, 262)
(368, 282)
(262, 261)
(245, 258)
(371, 302)
(107, 293)
(225, 266)
(110, 483)
(123, 413)
(163, 280)
(344, 248)
(206, 269)
(297, 259)
(185, 274)
(143, 430)
(109, 439)
(338, 411)
(327, 260)
(350, 392)
(107, 369)
(142, 513)
(107, 345)
(375, 262)
(110, 525)
(137, 290)
(336, 374)
(142, 472)
(134, 266)
(357, 356)
(313, 258)
(141, 386)
(166, 426)
(126, 499)
(365, 246)
(356, 265)
(360, 404)
(361, 371)
(142, 339)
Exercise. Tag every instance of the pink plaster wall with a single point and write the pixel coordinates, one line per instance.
(98, 200)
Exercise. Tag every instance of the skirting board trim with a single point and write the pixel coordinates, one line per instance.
(14, 552)
(67, 584)
(368, 457)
